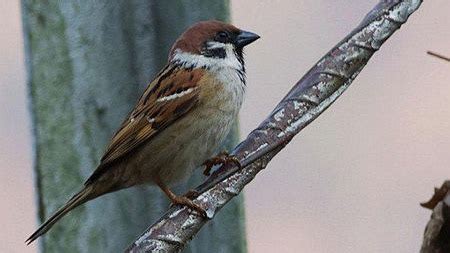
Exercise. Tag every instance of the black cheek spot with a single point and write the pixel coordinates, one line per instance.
(216, 53)
(219, 53)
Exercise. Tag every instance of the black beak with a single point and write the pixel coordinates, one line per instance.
(244, 38)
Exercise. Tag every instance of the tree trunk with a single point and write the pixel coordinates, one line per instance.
(88, 61)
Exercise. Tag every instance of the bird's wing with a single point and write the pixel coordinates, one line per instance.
(168, 98)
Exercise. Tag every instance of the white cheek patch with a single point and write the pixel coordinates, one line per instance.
(215, 44)
(200, 61)
(228, 70)
(175, 95)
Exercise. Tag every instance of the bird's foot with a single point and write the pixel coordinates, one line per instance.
(181, 200)
(191, 194)
(222, 158)
(186, 201)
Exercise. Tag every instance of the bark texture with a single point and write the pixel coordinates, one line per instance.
(87, 63)
(315, 92)
(436, 238)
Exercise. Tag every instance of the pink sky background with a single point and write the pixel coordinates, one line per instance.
(350, 182)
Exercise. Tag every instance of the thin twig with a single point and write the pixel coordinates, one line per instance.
(438, 56)
(314, 93)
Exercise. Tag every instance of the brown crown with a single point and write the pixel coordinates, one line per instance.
(195, 36)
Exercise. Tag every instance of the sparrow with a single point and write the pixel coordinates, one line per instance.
(180, 121)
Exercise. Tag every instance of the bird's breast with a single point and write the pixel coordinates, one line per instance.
(223, 89)
(187, 143)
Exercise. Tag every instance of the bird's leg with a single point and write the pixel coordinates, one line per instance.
(221, 158)
(180, 200)
(191, 194)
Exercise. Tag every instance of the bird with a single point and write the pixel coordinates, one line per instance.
(179, 122)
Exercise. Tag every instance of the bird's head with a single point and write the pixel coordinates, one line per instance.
(211, 43)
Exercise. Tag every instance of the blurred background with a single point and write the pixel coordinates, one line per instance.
(350, 182)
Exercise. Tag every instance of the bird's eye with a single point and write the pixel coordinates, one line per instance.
(222, 37)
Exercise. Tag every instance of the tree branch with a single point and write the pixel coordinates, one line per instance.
(436, 238)
(439, 56)
(314, 93)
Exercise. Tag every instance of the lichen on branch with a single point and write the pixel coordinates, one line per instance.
(309, 97)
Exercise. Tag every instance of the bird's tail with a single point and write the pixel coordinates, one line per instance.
(78, 199)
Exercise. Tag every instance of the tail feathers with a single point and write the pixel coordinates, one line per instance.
(78, 199)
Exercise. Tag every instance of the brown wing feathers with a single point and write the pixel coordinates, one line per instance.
(173, 93)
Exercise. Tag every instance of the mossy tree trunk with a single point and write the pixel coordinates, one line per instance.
(88, 61)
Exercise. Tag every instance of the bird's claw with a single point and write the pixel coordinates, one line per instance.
(222, 158)
(185, 201)
(191, 194)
